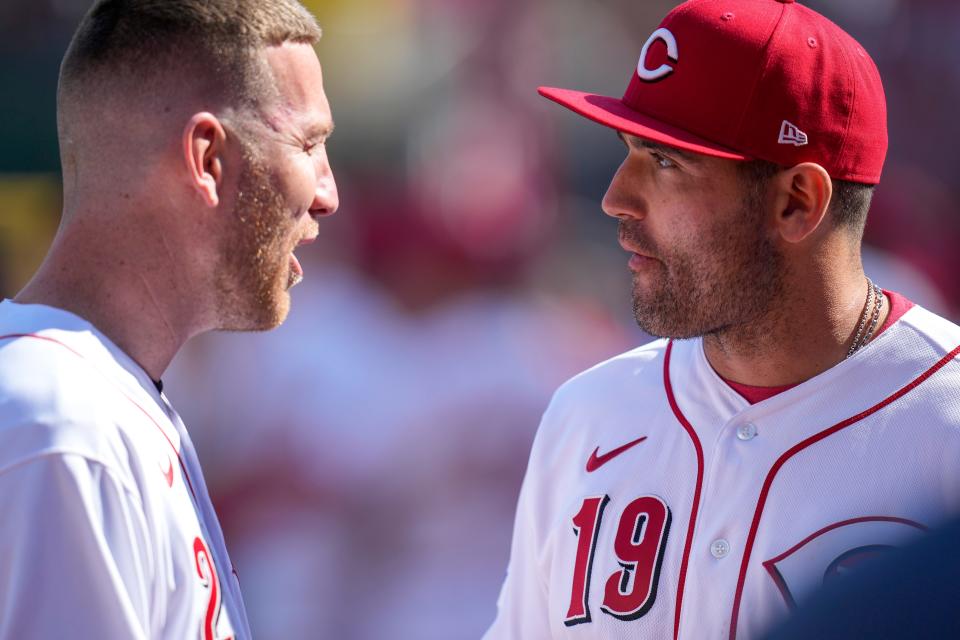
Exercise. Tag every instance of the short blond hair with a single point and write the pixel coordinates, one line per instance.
(126, 44)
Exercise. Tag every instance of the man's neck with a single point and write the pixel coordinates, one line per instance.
(136, 309)
(809, 332)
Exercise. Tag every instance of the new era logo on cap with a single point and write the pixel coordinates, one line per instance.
(791, 134)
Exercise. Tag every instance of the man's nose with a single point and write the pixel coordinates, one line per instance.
(623, 199)
(326, 200)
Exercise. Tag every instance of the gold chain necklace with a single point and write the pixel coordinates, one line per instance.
(871, 311)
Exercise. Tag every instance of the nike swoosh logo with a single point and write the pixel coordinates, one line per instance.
(168, 474)
(594, 462)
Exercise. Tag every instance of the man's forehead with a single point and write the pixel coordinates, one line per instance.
(299, 96)
(296, 71)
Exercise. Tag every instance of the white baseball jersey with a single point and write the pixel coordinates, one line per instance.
(107, 531)
(658, 503)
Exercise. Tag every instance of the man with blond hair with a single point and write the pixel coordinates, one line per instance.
(192, 137)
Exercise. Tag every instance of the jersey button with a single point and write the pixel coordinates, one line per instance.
(747, 431)
(719, 548)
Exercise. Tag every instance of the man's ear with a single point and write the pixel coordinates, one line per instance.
(803, 195)
(204, 145)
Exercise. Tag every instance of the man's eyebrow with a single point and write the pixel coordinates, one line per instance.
(658, 147)
(319, 130)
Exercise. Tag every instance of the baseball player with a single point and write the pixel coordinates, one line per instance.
(192, 136)
(795, 419)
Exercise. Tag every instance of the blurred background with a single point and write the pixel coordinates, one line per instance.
(365, 458)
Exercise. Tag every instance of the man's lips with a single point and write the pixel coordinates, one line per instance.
(296, 269)
(635, 251)
(640, 262)
(638, 259)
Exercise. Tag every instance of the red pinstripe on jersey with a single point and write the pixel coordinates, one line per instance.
(34, 336)
(696, 494)
(765, 491)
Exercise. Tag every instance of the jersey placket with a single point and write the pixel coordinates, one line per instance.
(707, 415)
(735, 467)
(740, 443)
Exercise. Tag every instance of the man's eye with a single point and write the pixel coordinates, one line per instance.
(662, 161)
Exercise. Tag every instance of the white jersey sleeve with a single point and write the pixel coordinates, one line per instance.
(74, 538)
(106, 527)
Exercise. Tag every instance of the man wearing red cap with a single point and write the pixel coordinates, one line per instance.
(795, 419)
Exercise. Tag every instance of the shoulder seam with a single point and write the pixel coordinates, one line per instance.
(109, 468)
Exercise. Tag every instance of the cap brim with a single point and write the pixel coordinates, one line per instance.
(613, 113)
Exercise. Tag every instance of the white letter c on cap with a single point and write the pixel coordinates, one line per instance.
(652, 75)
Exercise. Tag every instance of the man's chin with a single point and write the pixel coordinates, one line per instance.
(661, 319)
(671, 324)
(265, 316)
(275, 315)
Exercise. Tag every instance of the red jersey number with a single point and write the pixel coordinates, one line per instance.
(208, 576)
(586, 526)
(639, 546)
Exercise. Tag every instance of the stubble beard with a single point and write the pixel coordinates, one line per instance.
(726, 281)
(254, 276)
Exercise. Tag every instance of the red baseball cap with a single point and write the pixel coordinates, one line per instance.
(752, 79)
